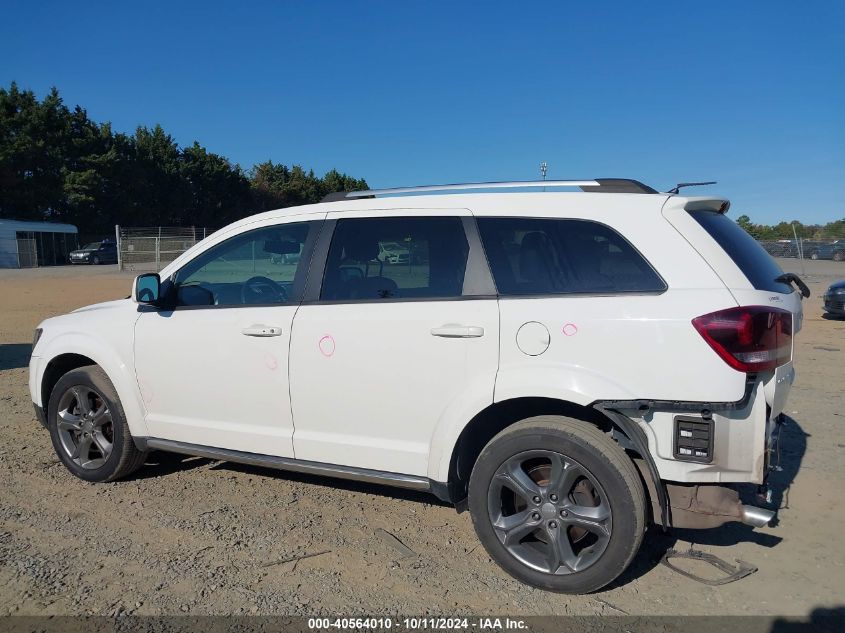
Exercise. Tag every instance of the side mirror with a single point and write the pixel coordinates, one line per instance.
(146, 288)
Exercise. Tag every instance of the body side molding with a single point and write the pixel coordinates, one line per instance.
(286, 463)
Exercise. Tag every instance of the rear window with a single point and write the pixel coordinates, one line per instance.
(536, 256)
(751, 258)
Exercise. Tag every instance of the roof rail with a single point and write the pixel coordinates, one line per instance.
(603, 185)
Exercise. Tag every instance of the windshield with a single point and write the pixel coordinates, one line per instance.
(91, 247)
(751, 258)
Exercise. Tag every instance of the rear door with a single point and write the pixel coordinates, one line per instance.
(389, 348)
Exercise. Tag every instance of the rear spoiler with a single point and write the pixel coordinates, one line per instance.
(719, 205)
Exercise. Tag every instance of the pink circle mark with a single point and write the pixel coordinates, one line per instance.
(327, 345)
(570, 329)
(271, 362)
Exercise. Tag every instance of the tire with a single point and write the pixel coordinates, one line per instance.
(108, 451)
(95, 260)
(598, 519)
(839, 256)
(814, 255)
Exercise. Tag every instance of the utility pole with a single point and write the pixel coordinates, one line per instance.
(543, 169)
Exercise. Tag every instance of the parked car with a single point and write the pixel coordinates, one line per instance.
(104, 252)
(567, 366)
(834, 299)
(832, 250)
(393, 253)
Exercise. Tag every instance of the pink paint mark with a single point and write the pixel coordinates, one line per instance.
(271, 362)
(327, 345)
(570, 329)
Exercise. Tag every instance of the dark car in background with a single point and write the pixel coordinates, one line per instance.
(834, 299)
(104, 252)
(833, 250)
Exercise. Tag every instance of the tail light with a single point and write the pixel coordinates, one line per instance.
(749, 339)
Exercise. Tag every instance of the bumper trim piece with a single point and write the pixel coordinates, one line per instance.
(644, 405)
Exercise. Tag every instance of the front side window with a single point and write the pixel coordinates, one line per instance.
(395, 258)
(260, 267)
(537, 256)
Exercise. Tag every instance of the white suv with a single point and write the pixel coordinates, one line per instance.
(566, 365)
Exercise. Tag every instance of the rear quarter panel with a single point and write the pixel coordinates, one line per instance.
(618, 346)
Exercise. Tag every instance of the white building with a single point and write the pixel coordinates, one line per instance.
(29, 244)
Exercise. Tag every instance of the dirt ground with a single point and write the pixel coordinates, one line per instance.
(189, 535)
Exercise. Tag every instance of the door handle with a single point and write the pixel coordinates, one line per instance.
(262, 330)
(453, 330)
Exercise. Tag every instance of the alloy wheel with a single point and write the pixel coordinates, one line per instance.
(549, 512)
(85, 427)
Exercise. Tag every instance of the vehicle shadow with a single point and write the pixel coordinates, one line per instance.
(14, 355)
(786, 462)
(161, 463)
(821, 620)
(349, 485)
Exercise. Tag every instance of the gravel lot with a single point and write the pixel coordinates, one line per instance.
(189, 535)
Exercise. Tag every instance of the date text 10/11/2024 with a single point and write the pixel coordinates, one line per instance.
(418, 624)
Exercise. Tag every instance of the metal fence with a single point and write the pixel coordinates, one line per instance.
(152, 248)
(831, 248)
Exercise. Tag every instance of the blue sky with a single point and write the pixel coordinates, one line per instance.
(749, 94)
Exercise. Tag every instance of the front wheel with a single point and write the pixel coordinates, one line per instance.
(88, 427)
(558, 504)
(839, 256)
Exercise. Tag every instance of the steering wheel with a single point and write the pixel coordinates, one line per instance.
(260, 289)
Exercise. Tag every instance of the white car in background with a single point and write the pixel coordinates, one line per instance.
(393, 253)
(569, 366)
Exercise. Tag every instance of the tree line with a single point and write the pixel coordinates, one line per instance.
(58, 165)
(783, 230)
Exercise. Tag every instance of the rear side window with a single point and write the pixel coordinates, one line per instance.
(395, 258)
(751, 258)
(536, 256)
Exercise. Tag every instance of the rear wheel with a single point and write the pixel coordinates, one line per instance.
(839, 256)
(88, 427)
(557, 504)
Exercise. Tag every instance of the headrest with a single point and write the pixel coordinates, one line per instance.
(362, 250)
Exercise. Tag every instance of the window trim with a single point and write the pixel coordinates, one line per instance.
(477, 276)
(306, 256)
(613, 293)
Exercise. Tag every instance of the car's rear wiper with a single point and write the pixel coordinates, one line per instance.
(789, 278)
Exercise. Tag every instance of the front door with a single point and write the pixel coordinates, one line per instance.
(394, 344)
(213, 368)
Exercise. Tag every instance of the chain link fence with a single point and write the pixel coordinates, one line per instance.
(149, 249)
(830, 248)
